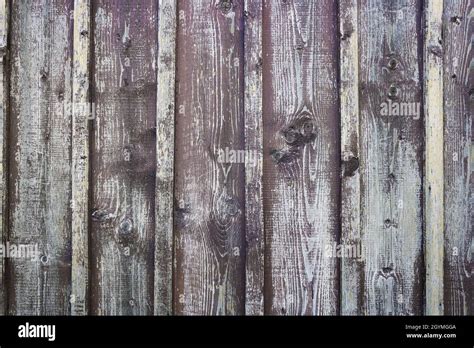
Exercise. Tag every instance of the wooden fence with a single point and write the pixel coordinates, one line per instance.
(289, 157)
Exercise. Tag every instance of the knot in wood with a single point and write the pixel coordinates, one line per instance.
(437, 50)
(291, 135)
(44, 73)
(101, 215)
(392, 63)
(387, 272)
(126, 226)
(225, 6)
(456, 20)
(350, 166)
(393, 92)
(44, 259)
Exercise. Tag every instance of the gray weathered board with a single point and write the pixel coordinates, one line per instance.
(122, 128)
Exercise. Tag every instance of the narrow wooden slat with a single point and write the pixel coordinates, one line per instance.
(4, 17)
(391, 157)
(81, 113)
(434, 177)
(458, 33)
(302, 156)
(165, 156)
(4, 13)
(123, 158)
(40, 159)
(209, 190)
(255, 238)
(351, 268)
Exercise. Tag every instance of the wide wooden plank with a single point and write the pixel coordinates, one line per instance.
(165, 157)
(4, 17)
(40, 175)
(433, 176)
(302, 156)
(391, 157)
(81, 114)
(351, 268)
(458, 31)
(209, 185)
(123, 157)
(255, 238)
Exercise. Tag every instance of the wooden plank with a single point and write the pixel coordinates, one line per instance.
(165, 157)
(81, 114)
(123, 157)
(40, 160)
(255, 238)
(302, 156)
(209, 188)
(391, 157)
(4, 17)
(434, 177)
(458, 31)
(351, 268)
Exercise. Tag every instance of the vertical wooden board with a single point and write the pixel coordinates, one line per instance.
(254, 231)
(123, 157)
(391, 156)
(165, 157)
(4, 16)
(209, 189)
(302, 156)
(351, 268)
(40, 176)
(81, 114)
(458, 32)
(433, 170)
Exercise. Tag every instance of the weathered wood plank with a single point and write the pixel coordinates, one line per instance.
(255, 237)
(81, 114)
(302, 156)
(458, 32)
(4, 17)
(123, 157)
(391, 156)
(40, 160)
(351, 268)
(209, 189)
(434, 178)
(165, 157)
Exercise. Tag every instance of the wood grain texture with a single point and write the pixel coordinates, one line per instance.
(391, 157)
(81, 114)
(211, 157)
(458, 33)
(165, 157)
(40, 156)
(4, 17)
(301, 156)
(433, 176)
(255, 237)
(210, 194)
(123, 157)
(351, 287)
